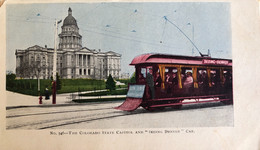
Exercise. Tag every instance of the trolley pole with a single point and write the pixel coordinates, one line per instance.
(192, 51)
(55, 63)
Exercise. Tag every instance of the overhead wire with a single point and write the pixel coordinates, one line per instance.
(183, 34)
(120, 35)
(126, 38)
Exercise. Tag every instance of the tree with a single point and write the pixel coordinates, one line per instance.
(10, 80)
(110, 83)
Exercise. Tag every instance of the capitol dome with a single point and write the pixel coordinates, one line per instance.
(70, 20)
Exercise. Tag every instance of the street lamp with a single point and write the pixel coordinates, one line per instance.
(38, 67)
(189, 24)
(55, 63)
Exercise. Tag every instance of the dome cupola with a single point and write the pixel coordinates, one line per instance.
(69, 36)
(70, 20)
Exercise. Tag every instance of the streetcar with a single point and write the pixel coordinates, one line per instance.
(171, 81)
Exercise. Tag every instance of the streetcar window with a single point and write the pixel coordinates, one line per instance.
(185, 71)
(202, 78)
(171, 76)
(170, 80)
(143, 72)
(148, 69)
(227, 79)
(215, 77)
(187, 78)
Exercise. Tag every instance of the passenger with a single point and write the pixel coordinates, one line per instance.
(150, 82)
(158, 83)
(200, 79)
(174, 79)
(183, 77)
(213, 79)
(168, 83)
(188, 83)
(158, 80)
(217, 83)
(204, 83)
(47, 94)
(228, 82)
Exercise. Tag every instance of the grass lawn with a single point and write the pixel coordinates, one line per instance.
(30, 86)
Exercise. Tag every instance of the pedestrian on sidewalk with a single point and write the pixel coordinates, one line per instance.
(47, 94)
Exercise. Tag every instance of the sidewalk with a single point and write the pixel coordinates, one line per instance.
(20, 100)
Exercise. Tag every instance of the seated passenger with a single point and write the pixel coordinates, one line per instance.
(174, 79)
(168, 83)
(158, 80)
(228, 82)
(158, 83)
(203, 83)
(188, 83)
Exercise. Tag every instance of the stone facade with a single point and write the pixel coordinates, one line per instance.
(73, 60)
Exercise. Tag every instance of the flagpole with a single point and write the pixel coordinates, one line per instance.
(55, 64)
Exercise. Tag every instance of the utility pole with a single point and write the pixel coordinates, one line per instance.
(38, 71)
(192, 52)
(192, 39)
(100, 77)
(55, 63)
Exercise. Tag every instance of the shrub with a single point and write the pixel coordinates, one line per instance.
(110, 84)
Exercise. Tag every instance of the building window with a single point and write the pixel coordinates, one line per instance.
(88, 71)
(84, 71)
(88, 59)
(80, 72)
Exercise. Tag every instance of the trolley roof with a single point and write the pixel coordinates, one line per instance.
(177, 59)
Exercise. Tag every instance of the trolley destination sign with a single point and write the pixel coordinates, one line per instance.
(136, 91)
(215, 62)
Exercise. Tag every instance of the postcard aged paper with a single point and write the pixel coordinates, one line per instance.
(96, 39)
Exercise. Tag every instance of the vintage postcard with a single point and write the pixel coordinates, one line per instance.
(98, 74)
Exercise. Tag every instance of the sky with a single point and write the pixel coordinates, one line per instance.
(129, 29)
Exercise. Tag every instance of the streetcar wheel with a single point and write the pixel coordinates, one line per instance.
(160, 108)
(149, 108)
(177, 106)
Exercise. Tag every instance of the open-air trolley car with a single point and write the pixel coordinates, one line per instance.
(171, 81)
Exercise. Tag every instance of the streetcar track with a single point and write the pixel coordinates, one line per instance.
(50, 120)
(52, 123)
(13, 116)
(84, 121)
(63, 119)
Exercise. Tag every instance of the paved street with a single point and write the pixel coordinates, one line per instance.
(103, 116)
